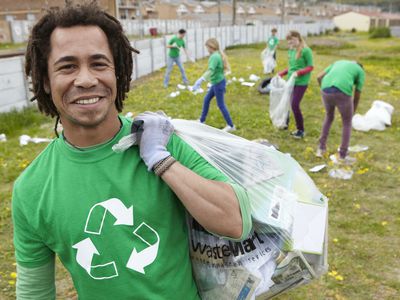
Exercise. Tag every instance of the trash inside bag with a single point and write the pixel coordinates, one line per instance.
(287, 246)
(279, 100)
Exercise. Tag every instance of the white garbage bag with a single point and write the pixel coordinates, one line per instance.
(268, 61)
(377, 117)
(279, 100)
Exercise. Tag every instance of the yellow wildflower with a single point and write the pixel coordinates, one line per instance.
(339, 278)
(384, 223)
(335, 240)
(13, 275)
(357, 206)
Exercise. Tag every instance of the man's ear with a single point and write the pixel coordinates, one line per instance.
(46, 86)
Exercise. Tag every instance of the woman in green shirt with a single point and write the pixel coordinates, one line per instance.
(300, 65)
(217, 65)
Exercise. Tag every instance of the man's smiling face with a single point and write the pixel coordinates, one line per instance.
(81, 76)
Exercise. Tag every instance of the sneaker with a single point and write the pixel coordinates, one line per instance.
(320, 152)
(298, 134)
(198, 121)
(228, 128)
(348, 160)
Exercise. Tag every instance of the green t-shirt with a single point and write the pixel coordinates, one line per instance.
(216, 67)
(118, 228)
(272, 42)
(174, 52)
(305, 60)
(344, 74)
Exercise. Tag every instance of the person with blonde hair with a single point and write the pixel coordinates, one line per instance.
(218, 65)
(300, 65)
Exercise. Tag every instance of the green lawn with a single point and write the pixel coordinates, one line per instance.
(364, 217)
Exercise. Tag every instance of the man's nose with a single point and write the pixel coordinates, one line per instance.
(85, 78)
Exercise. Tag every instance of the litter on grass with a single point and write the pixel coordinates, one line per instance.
(253, 77)
(317, 168)
(174, 94)
(25, 139)
(250, 84)
(3, 137)
(181, 86)
(341, 174)
(358, 148)
(241, 79)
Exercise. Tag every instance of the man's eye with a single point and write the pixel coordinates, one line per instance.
(67, 67)
(99, 65)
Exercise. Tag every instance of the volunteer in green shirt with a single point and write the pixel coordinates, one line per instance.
(273, 41)
(115, 220)
(300, 65)
(337, 84)
(217, 66)
(175, 45)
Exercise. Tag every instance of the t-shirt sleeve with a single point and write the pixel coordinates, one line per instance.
(212, 64)
(36, 283)
(308, 57)
(183, 44)
(188, 157)
(360, 80)
(30, 250)
(327, 69)
(171, 41)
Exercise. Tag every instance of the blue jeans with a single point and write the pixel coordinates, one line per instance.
(217, 90)
(170, 63)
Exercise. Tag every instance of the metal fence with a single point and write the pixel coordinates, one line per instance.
(14, 92)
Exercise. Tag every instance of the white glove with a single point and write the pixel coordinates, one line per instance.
(153, 131)
(198, 83)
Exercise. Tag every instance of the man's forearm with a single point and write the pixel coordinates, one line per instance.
(36, 283)
(213, 204)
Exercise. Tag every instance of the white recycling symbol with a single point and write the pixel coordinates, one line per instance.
(124, 216)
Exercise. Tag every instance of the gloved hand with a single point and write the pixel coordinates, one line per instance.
(198, 83)
(153, 131)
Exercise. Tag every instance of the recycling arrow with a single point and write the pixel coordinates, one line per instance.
(123, 215)
(84, 256)
(138, 260)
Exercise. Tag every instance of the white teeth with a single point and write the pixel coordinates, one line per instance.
(88, 101)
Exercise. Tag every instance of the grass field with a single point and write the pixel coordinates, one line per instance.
(364, 217)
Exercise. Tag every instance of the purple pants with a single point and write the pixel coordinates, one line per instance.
(344, 104)
(298, 93)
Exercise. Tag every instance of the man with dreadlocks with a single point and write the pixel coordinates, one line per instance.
(115, 220)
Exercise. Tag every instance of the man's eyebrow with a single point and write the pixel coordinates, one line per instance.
(73, 58)
(101, 56)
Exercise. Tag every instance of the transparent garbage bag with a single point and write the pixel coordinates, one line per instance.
(279, 100)
(268, 61)
(287, 246)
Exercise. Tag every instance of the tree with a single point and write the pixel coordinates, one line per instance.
(234, 12)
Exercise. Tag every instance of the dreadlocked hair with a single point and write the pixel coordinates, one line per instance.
(87, 14)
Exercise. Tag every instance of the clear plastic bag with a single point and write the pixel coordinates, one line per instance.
(268, 61)
(279, 100)
(287, 246)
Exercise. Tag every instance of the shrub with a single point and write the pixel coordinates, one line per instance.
(380, 32)
(353, 30)
(336, 29)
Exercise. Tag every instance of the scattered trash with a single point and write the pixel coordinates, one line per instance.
(341, 174)
(229, 81)
(181, 86)
(3, 137)
(358, 148)
(198, 91)
(209, 84)
(382, 94)
(234, 79)
(129, 115)
(248, 67)
(253, 77)
(346, 161)
(241, 79)
(174, 94)
(248, 83)
(265, 86)
(25, 139)
(385, 83)
(317, 168)
(377, 117)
